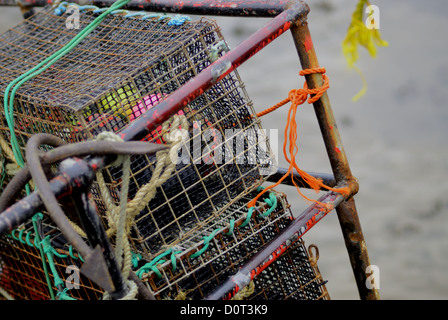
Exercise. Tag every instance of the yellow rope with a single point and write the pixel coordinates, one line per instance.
(6, 149)
(245, 292)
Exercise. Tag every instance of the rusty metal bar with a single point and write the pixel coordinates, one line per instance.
(327, 179)
(347, 214)
(61, 186)
(214, 73)
(112, 281)
(262, 259)
(356, 246)
(253, 8)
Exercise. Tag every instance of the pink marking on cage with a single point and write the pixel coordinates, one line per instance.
(147, 103)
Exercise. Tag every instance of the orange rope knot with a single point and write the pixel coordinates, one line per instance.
(298, 97)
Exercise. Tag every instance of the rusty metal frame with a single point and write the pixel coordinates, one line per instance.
(287, 15)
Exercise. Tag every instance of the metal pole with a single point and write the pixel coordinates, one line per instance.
(87, 213)
(347, 214)
(326, 178)
(255, 8)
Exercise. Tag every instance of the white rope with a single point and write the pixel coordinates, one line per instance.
(165, 165)
(121, 217)
(132, 292)
(6, 149)
(118, 217)
(5, 294)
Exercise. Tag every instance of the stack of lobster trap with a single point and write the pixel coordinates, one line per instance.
(197, 230)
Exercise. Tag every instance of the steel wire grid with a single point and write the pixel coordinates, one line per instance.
(291, 275)
(22, 273)
(122, 69)
(89, 91)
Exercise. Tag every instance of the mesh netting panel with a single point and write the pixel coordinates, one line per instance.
(23, 275)
(123, 68)
(292, 275)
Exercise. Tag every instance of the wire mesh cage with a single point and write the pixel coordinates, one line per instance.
(292, 275)
(23, 264)
(182, 236)
(121, 70)
(208, 257)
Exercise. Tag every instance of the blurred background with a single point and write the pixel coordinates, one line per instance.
(394, 136)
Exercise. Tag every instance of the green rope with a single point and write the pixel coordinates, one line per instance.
(231, 227)
(63, 295)
(21, 236)
(50, 252)
(45, 242)
(272, 202)
(135, 258)
(248, 217)
(36, 219)
(152, 266)
(70, 250)
(13, 235)
(55, 252)
(28, 240)
(206, 244)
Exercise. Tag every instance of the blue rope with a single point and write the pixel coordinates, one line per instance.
(177, 20)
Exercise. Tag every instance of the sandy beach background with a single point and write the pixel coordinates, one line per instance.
(395, 137)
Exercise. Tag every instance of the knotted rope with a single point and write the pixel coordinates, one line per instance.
(121, 217)
(298, 97)
(247, 291)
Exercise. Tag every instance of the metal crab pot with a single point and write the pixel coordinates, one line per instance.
(183, 75)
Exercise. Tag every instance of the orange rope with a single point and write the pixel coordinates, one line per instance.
(298, 97)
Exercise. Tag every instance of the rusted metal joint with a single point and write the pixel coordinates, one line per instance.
(352, 184)
(299, 6)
